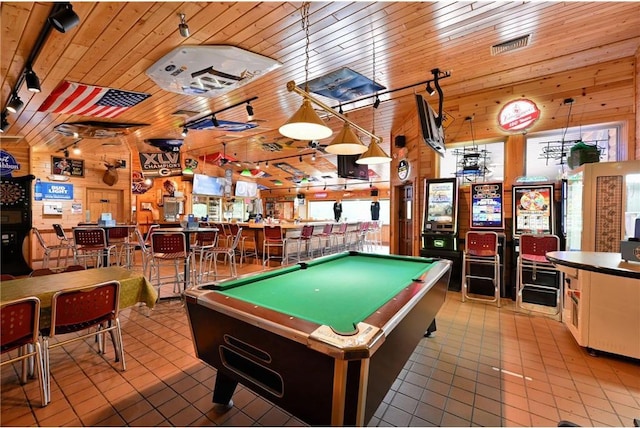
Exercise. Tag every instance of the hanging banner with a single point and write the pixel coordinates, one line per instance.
(160, 164)
(59, 191)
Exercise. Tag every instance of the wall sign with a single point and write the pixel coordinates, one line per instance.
(67, 166)
(404, 169)
(60, 191)
(160, 164)
(8, 164)
(518, 115)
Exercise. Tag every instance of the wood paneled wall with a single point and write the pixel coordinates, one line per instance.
(604, 93)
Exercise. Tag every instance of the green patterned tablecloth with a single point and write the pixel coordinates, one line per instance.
(134, 287)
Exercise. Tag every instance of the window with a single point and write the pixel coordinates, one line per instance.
(474, 162)
(546, 153)
(352, 210)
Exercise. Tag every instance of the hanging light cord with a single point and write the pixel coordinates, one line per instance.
(373, 116)
(566, 128)
(305, 27)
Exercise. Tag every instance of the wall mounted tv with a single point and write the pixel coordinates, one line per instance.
(487, 206)
(432, 134)
(208, 186)
(441, 206)
(348, 168)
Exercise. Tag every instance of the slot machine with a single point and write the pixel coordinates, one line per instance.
(440, 225)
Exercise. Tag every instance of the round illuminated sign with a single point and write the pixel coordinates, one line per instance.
(518, 115)
(403, 169)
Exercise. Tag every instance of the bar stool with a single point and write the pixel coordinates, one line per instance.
(119, 237)
(306, 239)
(481, 248)
(273, 238)
(325, 236)
(50, 249)
(62, 236)
(533, 250)
(340, 235)
(205, 241)
(171, 248)
(228, 251)
(91, 243)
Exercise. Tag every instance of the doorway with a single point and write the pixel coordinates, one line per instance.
(405, 219)
(106, 201)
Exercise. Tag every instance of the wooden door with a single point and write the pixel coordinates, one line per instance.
(106, 201)
(405, 220)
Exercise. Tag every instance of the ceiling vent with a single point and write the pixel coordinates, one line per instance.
(510, 45)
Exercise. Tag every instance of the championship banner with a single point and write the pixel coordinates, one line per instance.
(160, 164)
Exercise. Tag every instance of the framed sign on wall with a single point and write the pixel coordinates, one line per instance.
(67, 166)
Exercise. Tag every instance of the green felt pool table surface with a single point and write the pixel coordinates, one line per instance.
(338, 291)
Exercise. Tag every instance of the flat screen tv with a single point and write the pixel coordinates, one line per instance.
(441, 206)
(432, 134)
(348, 168)
(487, 206)
(533, 209)
(208, 186)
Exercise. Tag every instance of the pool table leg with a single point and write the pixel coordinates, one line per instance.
(223, 391)
(430, 329)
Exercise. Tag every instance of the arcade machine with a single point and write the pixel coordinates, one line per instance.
(487, 214)
(534, 212)
(15, 220)
(440, 225)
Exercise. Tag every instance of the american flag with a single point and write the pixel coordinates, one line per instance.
(87, 100)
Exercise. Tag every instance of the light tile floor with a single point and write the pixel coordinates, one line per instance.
(484, 367)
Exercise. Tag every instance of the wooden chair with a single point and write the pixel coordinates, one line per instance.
(87, 312)
(481, 248)
(19, 330)
(50, 249)
(6, 277)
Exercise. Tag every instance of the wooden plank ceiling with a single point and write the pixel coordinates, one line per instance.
(116, 42)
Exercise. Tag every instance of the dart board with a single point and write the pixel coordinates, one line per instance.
(15, 218)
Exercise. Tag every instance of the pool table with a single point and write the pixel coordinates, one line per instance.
(323, 339)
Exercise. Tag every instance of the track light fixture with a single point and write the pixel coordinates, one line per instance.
(4, 122)
(249, 111)
(185, 131)
(430, 90)
(183, 27)
(313, 157)
(64, 19)
(76, 149)
(215, 121)
(33, 82)
(15, 104)
(65, 152)
(376, 103)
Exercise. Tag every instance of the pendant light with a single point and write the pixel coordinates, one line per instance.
(374, 154)
(305, 124)
(346, 143)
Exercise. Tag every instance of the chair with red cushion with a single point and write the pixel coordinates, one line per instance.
(481, 248)
(532, 257)
(86, 312)
(170, 248)
(91, 244)
(274, 238)
(19, 330)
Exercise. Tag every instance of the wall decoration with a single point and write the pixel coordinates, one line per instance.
(87, 100)
(222, 125)
(518, 115)
(96, 129)
(61, 165)
(8, 164)
(343, 85)
(57, 191)
(160, 164)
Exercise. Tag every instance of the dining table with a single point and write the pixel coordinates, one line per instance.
(134, 287)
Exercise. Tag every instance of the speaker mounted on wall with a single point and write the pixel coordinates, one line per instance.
(400, 141)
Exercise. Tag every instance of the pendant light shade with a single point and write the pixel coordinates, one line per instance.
(346, 143)
(245, 173)
(373, 155)
(305, 124)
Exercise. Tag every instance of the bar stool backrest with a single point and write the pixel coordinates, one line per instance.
(327, 229)
(19, 325)
(538, 245)
(89, 237)
(118, 232)
(60, 232)
(307, 231)
(41, 272)
(147, 238)
(40, 238)
(169, 243)
(273, 233)
(208, 237)
(483, 244)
